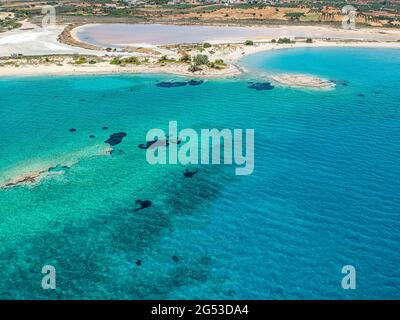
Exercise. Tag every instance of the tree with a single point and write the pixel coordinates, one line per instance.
(200, 59)
(285, 40)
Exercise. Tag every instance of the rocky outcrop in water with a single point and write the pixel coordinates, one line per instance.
(340, 82)
(195, 82)
(34, 176)
(147, 145)
(171, 84)
(143, 204)
(260, 86)
(174, 84)
(189, 174)
(116, 138)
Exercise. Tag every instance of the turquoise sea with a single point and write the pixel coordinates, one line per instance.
(325, 191)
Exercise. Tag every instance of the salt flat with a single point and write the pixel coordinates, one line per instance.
(31, 39)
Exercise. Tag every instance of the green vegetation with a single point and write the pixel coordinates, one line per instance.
(165, 59)
(207, 45)
(116, 61)
(193, 68)
(285, 40)
(200, 59)
(186, 58)
(9, 23)
(80, 60)
(217, 64)
(248, 43)
(131, 60)
(120, 62)
(309, 40)
(294, 16)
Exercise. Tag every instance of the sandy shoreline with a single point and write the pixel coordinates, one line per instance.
(41, 43)
(231, 58)
(105, 68)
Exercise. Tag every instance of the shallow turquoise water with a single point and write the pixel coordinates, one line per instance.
(325, 191)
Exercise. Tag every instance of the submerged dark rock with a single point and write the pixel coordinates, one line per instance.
(341, 82)
(159, 143)
(195, 82)
(361, 95)
(143, 204)
(175, 258)
(116, 138)
(72, 130)
(147, 144)
(91, 136)
(105, 128)
(138, 262)
(171, 84)
(58, 168)
(189, 174)
(261, 86)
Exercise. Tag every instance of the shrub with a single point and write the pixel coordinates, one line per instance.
(200, 59)
(207, 45)
(116, 61)
(285, 40)
(248, 43)
(164, 59)
(185, 58)
(309, 40)
(294, 16)
(80, 60)
(193, 68)
(132, 60)
(217, 64)
(273, 41)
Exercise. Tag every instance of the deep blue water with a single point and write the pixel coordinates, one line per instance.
(325, 191)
